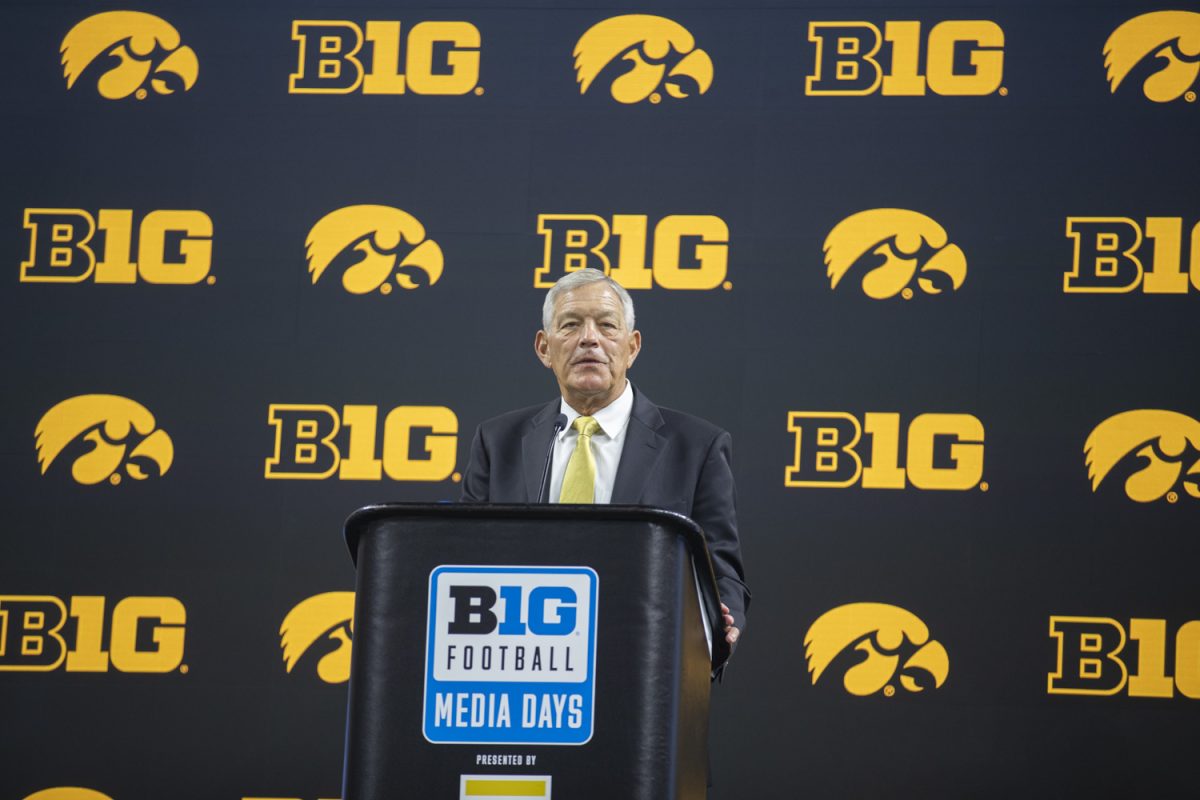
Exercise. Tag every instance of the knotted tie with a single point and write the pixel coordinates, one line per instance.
(579, 481)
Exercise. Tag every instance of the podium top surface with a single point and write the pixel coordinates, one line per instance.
(360, 519)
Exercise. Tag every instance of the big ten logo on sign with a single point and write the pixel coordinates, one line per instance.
(944, 451)
(642, 55)
(136, 50)
(368, 244)
(1171, 39)
(1111, 254)
(439, 58)
(1158, 451)
(324, 624)
(892, 247)
(68, 793)
(873, 644)
(314, 442)
(103, 436)
(1093, 656)
(511, 655)
(39, 634)
(690, 251)
(173, 247)
(959, 57)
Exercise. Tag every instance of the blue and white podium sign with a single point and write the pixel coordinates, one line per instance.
(511, 654)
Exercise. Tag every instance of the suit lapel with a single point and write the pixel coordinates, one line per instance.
(534, 446)
(644, 446)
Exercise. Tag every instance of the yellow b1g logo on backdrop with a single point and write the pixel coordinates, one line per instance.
(420, 443)
(1164, 445)
(945, 451)
(847, 58)
(148, 48)
(907, 245)
(32, 637)
(104, 433)
(572, 242)
(1091, 658)
(313, 624)
(173, 247)
(440, 58)
(1172, 37)
(376, 234)
(887, 642)
(1106, 259)
(661, 55)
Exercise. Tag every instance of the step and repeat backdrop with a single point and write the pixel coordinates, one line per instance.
(935, 266)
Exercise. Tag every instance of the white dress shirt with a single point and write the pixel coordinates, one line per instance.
(607, 444)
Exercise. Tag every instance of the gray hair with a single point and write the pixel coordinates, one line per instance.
(576, 279)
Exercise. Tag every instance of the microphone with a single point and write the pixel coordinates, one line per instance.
(544, 492)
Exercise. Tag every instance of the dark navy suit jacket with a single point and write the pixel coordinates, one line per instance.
(670, 460)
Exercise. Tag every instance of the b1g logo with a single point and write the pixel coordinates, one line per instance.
(691, 251)
(103, 436)
(1093, 658)
(945, 451)
(893, 247)
(441, 58)
(147, 50)
(38, 634)
(314, 442)
(173, 247)
(314, 624)
(1107, 261)
(1158, 450)
(511, 655)
(370, 243)
(962, 57)
(1173, 38)
(873, 644)
(642, 54)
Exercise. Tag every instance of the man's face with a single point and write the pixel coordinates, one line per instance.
(589, 346)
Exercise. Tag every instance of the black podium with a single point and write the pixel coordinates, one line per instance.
(529, 651)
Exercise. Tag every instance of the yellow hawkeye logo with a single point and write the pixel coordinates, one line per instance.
(328, 616)
(894, 246)
(1173, 36)
(147, 47)
(661, 54)
(68, 793)
(376, 234)
(889, 641)
(1166, 444)
(116, 432)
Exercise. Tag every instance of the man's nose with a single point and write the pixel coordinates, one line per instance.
(591, 332)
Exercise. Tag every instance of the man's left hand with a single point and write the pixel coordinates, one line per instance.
(731, 631)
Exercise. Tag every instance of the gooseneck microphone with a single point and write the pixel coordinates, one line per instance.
(544, 492)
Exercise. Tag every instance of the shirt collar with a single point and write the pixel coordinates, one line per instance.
(612, 418)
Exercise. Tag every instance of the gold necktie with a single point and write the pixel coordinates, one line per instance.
(579, 481)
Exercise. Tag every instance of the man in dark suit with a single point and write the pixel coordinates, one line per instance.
(610, 443)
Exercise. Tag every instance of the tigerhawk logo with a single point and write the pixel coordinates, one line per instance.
(376, 234)
(104, 432)
(330, 616)
(68, 793)
(1166, 445)
(1173, 36)
(889, 641)
(906, 244)
(147, 48)
(660, 52)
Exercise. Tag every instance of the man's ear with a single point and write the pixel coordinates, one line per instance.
(541, 348)
(635, 347)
